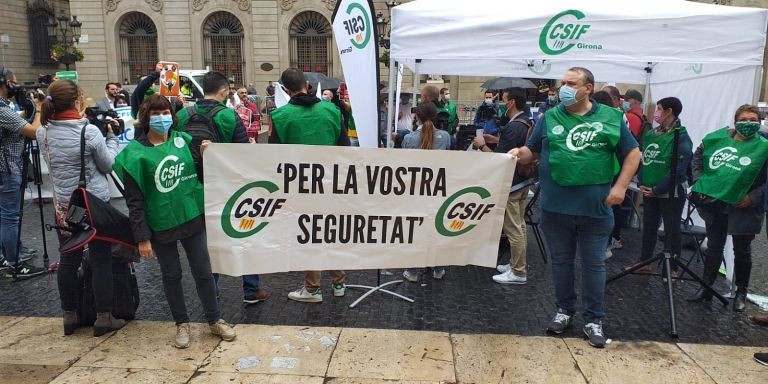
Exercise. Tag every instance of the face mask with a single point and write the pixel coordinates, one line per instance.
(657, 116)
(552, 100)
(160, 124)
(625, 106)
(747, 128)
(327, 98)
(568, 95)
(121, 105)
(489, 102)
(447, 97)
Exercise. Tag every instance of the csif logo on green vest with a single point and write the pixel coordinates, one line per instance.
(168, 174)
(563, 32)
(462, 211)
(358, 26)
(728, 156)
(650, 153)
(245, 212)
(581, 136)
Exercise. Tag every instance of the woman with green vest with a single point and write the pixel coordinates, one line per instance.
(658, 146)
(729, 168)
(165, 200)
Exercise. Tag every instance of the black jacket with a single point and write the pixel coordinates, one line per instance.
(513, 135)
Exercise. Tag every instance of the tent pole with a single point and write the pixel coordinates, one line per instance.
(647, 93)
(759, 85)
(415, 82)
(391, 102)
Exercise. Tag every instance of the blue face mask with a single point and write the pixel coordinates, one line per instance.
(552, 100)
(160, 124)
(568, 95)
(625, 106)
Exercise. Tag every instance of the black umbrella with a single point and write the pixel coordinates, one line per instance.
(325, 82)
(508, 82)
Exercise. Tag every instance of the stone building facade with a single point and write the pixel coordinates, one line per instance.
(251, 41)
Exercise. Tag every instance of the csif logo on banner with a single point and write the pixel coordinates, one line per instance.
(462, 211)
(358, 27)
(565, 31)
(247, 211)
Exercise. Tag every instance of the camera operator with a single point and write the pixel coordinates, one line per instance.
(60, 140)
(13, 129)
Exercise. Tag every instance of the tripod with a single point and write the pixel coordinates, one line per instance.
(32, 148)
(667, 255)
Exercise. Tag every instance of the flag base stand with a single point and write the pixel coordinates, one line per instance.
(379, 287)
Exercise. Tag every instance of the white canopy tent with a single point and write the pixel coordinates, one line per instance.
(709, 56)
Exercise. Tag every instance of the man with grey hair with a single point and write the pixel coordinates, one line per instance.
(578, 142)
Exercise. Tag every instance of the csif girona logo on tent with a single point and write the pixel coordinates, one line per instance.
(565, 31)
(358, 25)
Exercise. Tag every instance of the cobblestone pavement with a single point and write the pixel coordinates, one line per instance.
(465, 301)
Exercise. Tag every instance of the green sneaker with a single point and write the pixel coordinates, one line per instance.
(305, 296)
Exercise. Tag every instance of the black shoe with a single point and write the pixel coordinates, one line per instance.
(762, 358)
(24, 270)
(703, 294)
(24, 255)
(740, 302)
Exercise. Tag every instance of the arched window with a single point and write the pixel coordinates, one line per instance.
(311, 43)
(138, 46)
(38, 14)
(223, 45)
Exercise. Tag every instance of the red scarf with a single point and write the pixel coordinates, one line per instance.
(69, 114)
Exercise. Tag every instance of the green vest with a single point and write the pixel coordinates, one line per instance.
(319, 124)
(657, 156)
(730, 166)
(581, 148)
(166, 177)
(225, 121)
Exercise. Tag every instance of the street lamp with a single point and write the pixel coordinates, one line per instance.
(66, 35)
(382, 23)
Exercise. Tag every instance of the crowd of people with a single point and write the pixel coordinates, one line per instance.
(582, 149)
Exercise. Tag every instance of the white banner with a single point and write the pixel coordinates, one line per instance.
(355, 33)
(300, 207)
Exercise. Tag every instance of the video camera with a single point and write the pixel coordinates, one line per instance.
(102, 119)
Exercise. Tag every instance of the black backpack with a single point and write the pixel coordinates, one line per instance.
(201, 127)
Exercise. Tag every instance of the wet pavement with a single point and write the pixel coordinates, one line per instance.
(466, 301)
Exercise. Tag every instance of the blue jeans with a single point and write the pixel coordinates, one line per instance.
(251, 284)
(10, 205)
(565, 234)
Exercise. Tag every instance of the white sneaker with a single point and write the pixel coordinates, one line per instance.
(223, 329)
(412, 277)
(608, 254)
(503, 268)
(305, 296)
(181, 340)
(509, 278)
(339, 290)
(438, 274)
(615, 244)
